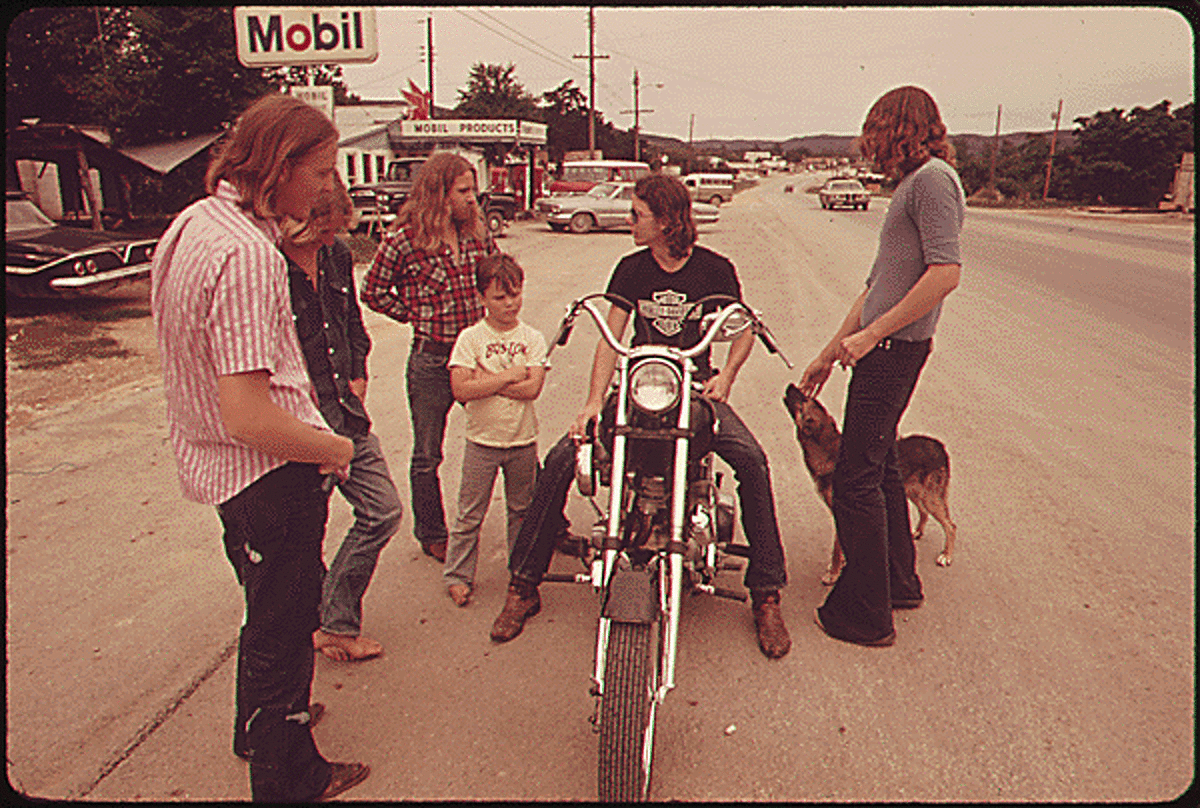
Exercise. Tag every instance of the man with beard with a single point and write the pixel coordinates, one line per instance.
(424, 273)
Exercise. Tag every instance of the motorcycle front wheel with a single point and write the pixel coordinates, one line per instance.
(627, 712)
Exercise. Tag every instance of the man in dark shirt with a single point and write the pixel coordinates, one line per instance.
(335, 344)
(660, 281)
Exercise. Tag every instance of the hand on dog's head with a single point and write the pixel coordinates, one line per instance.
(809, 414)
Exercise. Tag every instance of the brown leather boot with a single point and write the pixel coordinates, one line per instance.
(522, 602)
(773, 636)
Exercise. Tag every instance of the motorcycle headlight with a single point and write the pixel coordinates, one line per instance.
(654, 386)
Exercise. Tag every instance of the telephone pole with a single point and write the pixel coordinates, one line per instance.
(636, 110)
(591, 57)
(1053, 141)
(995, 150)
(429, 45)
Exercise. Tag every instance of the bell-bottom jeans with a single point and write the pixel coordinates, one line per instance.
(273, 533)
(376, 503)
(870, 510)
(429, 400)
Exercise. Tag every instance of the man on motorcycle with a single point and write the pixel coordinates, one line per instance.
(660, 280)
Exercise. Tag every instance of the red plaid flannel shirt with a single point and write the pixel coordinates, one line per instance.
(428, 289)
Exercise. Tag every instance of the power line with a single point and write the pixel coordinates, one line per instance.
(552, 57)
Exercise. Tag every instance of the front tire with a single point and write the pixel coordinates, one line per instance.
(581, 223)
(626, 723)
(495, 222)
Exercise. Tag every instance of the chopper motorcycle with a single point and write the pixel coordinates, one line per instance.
(668, 528)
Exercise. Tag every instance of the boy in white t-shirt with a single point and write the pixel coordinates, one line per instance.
(496, 371)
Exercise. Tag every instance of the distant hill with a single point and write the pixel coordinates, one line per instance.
(838, 145)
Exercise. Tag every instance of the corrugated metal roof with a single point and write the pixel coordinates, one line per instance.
(162, 157)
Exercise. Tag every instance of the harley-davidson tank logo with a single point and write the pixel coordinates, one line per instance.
(667, 310)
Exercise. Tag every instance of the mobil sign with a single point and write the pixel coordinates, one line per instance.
(269, 36)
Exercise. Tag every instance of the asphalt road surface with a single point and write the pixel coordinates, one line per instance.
(1054, 661)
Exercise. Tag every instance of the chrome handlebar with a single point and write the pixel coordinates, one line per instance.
(719, 320)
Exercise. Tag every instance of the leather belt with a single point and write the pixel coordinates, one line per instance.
(428, 346)
(903, 345)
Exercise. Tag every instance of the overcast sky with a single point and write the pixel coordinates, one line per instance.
(774, 73)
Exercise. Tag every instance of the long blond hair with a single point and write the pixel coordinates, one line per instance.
(427, 209)
(275, 131)
(903, 130)
(331, 208)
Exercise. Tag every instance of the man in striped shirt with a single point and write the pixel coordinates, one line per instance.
(424, 273)
(247, 434)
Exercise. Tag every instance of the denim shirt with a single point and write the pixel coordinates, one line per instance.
(335, 343)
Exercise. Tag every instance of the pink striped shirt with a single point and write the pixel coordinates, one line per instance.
(221, 303)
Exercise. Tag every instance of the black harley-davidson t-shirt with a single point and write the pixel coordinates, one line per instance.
(664, 302)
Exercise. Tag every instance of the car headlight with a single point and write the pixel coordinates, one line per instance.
(654, 386)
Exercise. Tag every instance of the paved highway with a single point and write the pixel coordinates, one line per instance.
(1054, 661)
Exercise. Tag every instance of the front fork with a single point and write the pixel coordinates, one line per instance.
(670, 580)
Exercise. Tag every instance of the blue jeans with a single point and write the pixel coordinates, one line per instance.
(869, 505)
(479, 467)
(429, 401)
(273, 533)
(734, 443)
(376, 503)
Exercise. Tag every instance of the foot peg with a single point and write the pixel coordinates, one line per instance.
(567, 578)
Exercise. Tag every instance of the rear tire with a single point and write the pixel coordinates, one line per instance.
(715, 201)
(495, 222)
(581, 223)
(625, 714)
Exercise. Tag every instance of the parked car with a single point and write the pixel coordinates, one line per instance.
(379, 202)
(606, 205)
(844, 192)
(45, 259)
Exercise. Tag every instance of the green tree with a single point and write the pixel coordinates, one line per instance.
(147, 73)
(565, 112)
(1129, 158)
(494, 92)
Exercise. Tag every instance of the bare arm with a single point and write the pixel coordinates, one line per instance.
(719, 386)
(817, 372)
(528, 389)
(938, 281)
(469, 384)
(252, 418)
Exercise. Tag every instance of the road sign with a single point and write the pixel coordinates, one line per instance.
(272, 36)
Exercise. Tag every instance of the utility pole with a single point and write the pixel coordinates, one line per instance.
(995, 150)
(636, 109)
(1053, 141)
(429, 45)
(591, 57)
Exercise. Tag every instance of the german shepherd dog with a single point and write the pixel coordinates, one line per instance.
(924, 468)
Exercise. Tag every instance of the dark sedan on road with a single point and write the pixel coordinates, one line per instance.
(606, 205)
(844, 192)
(44, 259)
